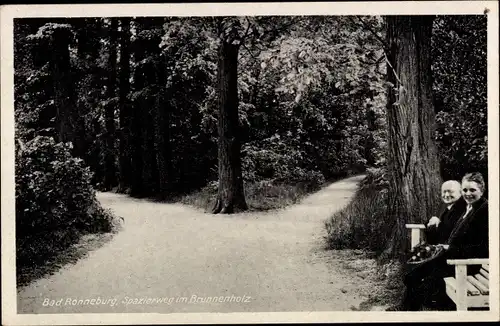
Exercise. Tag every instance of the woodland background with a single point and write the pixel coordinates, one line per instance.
(232, 113)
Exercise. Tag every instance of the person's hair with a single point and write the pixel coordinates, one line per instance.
(475, 177)
(452, 182)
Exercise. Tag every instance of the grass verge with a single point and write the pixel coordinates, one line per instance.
(362, 224)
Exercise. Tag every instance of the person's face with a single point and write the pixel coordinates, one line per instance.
(450, 193)
(471, 191)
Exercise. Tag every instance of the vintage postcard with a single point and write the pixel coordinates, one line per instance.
(250, 162)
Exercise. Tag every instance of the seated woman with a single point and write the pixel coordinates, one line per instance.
(468, 239)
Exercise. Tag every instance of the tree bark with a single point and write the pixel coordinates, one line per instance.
(137, 162)
(63, 90)
(110, 167)
(146, 173)
(69, 119)
(95, 153)
(150, 171)
(162, 132)
(231, 197)
(124, 105)
(89, 85)
(139, 117)
(413, 162)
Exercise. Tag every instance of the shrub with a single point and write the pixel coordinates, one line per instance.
(376, 178)
(363, 223)
(280, 163)
(55, 201)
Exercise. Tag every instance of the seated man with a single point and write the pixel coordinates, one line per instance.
(439, 228)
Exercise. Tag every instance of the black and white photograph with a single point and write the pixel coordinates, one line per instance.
(159, 160)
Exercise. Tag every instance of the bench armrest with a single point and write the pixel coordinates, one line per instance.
(471, 261)
(417, 233)
(415, 226)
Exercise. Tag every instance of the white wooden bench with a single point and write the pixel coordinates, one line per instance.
(466, 291)
(469, 291)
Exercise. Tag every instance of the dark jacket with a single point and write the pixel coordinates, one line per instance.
(469, 238)
(448, 217)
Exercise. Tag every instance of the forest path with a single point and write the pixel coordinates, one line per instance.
(271, 261)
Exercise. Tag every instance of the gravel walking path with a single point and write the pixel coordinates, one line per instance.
(173, 258)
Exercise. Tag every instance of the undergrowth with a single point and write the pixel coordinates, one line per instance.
(260, 196)
(363, 223)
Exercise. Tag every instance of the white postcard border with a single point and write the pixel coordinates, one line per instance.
(9, 293)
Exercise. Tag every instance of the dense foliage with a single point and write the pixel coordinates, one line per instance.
(460, 90)
(138, 100)
(311, 98)
(55, 201)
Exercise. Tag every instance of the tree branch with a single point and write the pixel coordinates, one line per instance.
(392, 68)
(375, 62)
(273, 32)
(251, 54)
(248, 28)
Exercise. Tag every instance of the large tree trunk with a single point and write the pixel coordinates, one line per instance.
(150, 171)
(125, 120)
(231, 197)
(63, 89)
(95, 153)
(110, 168)
(136, 138)
(68, 120)
(144, 159)
(413, 160)
(139, 114)
(162, 133)
(137, 163)
(89, 86)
